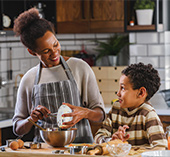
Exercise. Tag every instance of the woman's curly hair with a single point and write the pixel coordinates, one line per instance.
(29, 26)
(141, 75)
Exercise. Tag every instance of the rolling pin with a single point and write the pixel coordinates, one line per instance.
(101, 148)
(98, 150)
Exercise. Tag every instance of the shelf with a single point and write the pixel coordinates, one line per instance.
(140, 28)
(13, 8)
(130, 15)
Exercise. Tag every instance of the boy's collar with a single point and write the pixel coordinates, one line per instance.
(132, 111)
(136, 109)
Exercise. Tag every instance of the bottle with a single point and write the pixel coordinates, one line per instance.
(168, 136)
(40, 6)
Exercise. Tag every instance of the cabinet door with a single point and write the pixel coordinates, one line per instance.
(90, 16)
(72, 16)
(106, 16)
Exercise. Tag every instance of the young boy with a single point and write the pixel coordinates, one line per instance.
(132, 117)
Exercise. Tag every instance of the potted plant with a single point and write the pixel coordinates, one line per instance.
(111, 47)
(144, 11)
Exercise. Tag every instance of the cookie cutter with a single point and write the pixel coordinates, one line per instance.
(35, 145)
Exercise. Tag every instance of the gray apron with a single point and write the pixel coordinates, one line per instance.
(51, 95)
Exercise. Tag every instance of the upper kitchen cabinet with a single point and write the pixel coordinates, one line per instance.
(106, 16)
(46, 8)
(10, 9)
(131, 22)
(90, 16)
(71, 16)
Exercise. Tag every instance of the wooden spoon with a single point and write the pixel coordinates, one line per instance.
(30, 120)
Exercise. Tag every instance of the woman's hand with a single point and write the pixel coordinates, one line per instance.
(121, 133)
(78, 114)
(39, 112)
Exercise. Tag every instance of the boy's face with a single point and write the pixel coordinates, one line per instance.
(128, 97)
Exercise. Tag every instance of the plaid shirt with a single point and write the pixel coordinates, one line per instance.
(144, 124)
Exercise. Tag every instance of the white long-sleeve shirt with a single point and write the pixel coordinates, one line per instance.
(83, 76)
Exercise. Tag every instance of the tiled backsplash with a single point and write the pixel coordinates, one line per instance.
(22, 60)
(151, 48)
(146, 47)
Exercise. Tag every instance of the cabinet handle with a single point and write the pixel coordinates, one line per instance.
(82, 8)
(91, 9)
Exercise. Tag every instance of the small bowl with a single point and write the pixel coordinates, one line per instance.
(58, 138)
(163, 153)
(119, 150)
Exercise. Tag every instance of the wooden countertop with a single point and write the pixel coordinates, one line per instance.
(47, 151)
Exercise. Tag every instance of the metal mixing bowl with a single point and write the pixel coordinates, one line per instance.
(58, 138)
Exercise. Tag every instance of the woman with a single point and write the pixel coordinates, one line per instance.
(55, 80)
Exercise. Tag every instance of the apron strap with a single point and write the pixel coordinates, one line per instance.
(66, 69)
(37, 77)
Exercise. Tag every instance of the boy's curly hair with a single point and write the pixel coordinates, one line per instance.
(29, 26)
(141, 75)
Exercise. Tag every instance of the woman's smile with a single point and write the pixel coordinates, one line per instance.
(55, 59)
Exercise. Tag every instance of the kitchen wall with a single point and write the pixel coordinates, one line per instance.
(148, 48)
(13, 56)
(153, 48)
(21, 60)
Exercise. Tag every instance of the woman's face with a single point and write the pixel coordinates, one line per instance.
(48, 50)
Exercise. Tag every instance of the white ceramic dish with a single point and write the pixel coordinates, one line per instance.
(62, 110)
(163, 153)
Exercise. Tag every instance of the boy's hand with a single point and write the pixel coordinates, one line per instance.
(120, 134)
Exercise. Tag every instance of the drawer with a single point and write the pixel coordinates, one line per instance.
(108, 85)
(108, 97)
(108, 72)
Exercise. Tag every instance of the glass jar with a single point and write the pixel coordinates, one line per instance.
(168, 136)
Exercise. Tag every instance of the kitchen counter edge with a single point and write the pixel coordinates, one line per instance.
(5, 123)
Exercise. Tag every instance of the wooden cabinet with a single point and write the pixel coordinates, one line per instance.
(107, 16)
(90, 16)
(71, 16)
(108, 81)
